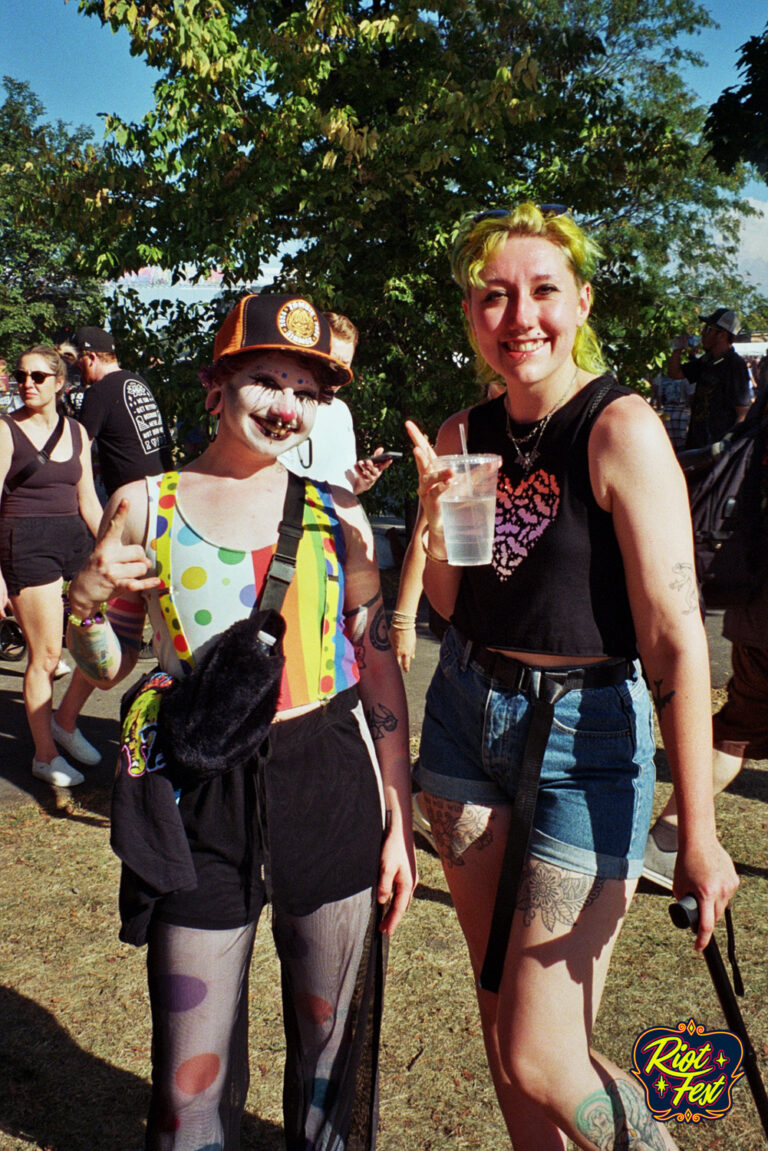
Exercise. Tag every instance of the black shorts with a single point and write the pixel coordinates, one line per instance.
(38, 550)
(303, 831)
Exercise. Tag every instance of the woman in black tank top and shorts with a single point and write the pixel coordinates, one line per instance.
(49, 516)
(538, 735)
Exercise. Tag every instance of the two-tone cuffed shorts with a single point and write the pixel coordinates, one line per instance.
(596, 787)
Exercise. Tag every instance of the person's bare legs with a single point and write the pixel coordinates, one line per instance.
(73, 701)
(725, 768)
(550, 1084)
(39, 614)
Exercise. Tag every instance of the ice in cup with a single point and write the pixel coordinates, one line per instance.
(468, 508)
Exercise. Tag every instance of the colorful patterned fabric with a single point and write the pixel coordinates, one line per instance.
(209, 587)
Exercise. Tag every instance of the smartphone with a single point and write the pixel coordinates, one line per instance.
(383, 457)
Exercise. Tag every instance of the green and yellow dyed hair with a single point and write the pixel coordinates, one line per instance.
(479, 239)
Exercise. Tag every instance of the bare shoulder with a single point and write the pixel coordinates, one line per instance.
(133, 497)
(628, 447)
(358, 533)
(449, 437)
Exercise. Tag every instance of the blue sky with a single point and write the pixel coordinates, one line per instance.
(78, 68)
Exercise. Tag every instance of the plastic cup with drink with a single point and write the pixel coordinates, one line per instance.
(468, 507)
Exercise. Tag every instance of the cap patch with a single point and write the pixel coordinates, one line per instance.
(298, 322)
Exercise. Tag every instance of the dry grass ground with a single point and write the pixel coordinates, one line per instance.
(74, 1032)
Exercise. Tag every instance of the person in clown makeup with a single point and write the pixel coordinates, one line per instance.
(322, 829)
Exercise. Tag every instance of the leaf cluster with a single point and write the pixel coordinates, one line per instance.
(346, 138)
(737, 124)
(42, 293)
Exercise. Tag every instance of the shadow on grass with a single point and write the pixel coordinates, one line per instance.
(53, 1094)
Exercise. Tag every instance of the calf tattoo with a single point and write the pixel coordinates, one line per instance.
(617, 1119)
(558, 896)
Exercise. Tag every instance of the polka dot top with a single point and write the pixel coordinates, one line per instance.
(212, 586)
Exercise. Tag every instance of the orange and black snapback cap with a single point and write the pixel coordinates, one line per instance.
(281, 324)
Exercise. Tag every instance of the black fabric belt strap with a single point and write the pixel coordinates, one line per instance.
(518, 676)
(554, 683)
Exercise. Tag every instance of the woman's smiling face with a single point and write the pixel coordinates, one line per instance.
(270, 401)
(525, 317)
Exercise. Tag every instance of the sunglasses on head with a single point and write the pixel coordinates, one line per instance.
(498, 213)
(20, 376)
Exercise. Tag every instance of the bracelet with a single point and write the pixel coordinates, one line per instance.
(403, 619)
(431, 555)
(98, 616)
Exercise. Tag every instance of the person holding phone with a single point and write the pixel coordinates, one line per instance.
(330, 453)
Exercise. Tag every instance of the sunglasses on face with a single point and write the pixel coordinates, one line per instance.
(20, 376)
(498, 213)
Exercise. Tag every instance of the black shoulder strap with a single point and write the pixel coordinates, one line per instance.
(283, 563)
(41, 458)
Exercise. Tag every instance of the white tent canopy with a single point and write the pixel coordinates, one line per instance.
(754, 348)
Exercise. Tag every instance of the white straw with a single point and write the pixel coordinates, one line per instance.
(465, 453)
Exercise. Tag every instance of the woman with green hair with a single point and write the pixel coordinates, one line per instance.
(537, 753)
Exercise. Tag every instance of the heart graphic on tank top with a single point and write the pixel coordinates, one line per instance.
(523, 514)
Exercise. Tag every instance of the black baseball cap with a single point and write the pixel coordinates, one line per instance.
(93, 340)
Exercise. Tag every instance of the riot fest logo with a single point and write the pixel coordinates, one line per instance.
(688, 1073)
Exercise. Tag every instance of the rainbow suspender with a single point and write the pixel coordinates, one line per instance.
(166, 506)
(327, 566)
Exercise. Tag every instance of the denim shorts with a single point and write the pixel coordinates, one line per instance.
(597, 779)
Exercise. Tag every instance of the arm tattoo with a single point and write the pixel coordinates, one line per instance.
(356, 619)
(685, 582)
(617, 1119)
(381, 720)
(92, 650)
(457, 826)
(359, 632)
(660, 700)
(559, 896)
(378, 630)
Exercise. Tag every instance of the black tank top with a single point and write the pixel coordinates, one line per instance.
(556, 582)
(52, 489)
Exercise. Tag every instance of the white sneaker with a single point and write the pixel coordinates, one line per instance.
(76, 744)
(659, 862)
(58, 772)
(421, 824)
(62, 668)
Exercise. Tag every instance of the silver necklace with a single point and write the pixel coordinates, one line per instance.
(526, 460)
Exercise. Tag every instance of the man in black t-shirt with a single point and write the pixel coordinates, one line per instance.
(721, 376)
(120, 413)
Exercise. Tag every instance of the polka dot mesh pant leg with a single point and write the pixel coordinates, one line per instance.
(331, 1012)
(198, 987)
